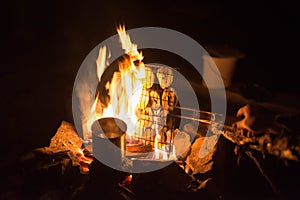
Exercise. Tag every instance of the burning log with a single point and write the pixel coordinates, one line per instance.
(200, 160)
(50, 172)
(125, 189)
(65, 147)
(276, 157)
(166, 182)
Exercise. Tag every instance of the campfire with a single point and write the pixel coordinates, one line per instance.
(142, 97)
(133, 122)
(136, 108)
(136, 124)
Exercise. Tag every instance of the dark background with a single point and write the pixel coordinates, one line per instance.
(44, 43)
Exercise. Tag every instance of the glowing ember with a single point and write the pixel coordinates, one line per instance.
(128, 179)
(84, 161)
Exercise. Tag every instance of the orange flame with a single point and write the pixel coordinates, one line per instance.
(127, 92)
(125, 88)
(101, 62)
(84, 161)
(128, 179)
(130, 48)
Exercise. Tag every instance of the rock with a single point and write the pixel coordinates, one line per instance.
(200, 158)
(182, 144)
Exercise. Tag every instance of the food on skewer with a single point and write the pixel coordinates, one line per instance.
(145, 117)
(149, 78)
(164, 76)
(154, 100)
(169, 99)
(144, 99)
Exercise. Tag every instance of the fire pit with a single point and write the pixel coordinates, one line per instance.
(140, 141)
(139, 119)
(142, 97)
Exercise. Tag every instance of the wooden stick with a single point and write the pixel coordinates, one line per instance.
(262, 171)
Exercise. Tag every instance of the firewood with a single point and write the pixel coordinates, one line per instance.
(64, 150)
(197, 162)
